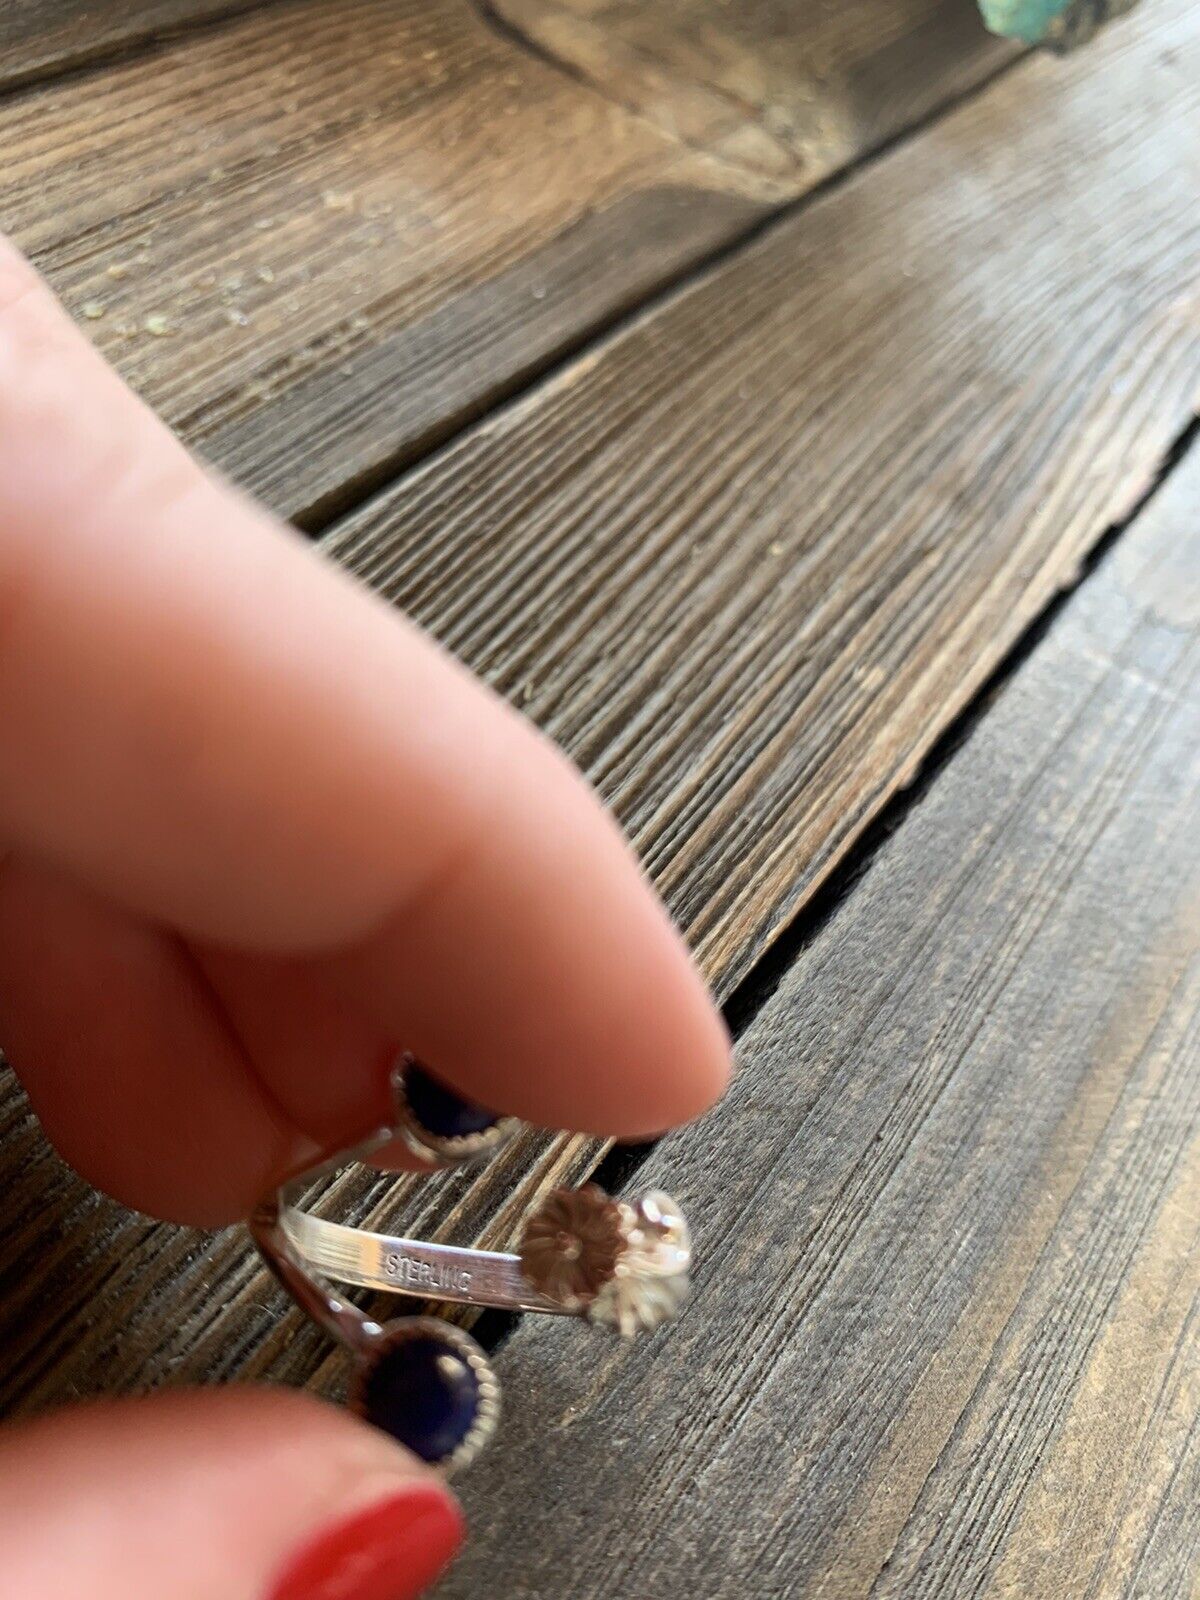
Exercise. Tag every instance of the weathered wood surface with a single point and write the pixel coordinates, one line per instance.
(746, 561)
(364, 222)
(41, 37)
(747, 558)
(943, 1337)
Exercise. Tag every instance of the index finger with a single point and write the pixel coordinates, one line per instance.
(217, 730)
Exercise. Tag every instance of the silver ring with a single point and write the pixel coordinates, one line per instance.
(426, 1382)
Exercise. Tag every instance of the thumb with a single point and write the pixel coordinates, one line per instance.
(234, 1495)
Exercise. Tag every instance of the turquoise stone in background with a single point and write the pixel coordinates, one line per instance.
(1062, 24)
(1022, 19)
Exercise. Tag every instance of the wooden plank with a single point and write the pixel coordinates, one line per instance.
(943, 1337)
(746, 561)
(366, 222)
(39, 38)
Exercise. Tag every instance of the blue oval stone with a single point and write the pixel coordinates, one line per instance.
(424, 1394)
(439, 1110)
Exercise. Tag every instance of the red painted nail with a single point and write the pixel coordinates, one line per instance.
(392, 1550)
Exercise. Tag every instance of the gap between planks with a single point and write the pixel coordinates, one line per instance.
(942, 1339)
(618, 1164)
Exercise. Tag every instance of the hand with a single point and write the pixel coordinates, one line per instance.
(256, 832)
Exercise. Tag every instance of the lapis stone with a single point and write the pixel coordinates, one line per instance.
(439, 1110)
(424, 1394)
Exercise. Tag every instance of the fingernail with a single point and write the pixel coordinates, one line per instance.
(391, 1550)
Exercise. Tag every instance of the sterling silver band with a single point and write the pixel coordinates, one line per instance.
(581, 1253)
(412, 1266)
(298, 1246)
(623, 1266)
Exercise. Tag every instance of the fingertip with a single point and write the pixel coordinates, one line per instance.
(543, 975)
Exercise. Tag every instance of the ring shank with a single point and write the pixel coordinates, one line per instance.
(411, 1266)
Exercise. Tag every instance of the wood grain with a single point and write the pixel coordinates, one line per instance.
(943, 1335)
(41, 37)
(745, 561)
(364, 223)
